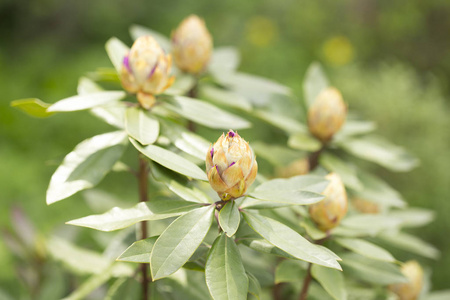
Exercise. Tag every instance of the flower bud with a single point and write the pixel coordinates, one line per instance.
(146, 70)
(231, 166)
(326, 114)
(329, 212)
(365, 206)
(192, 45)
(297, 167)
(410, 290)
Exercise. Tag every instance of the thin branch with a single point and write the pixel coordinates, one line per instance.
(143, 197)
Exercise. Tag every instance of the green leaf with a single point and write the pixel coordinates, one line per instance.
(254, 287)
(141, 125)
(206, 114)
(289, 125)
(182, 85)
(224, 97)
(380, 151)
(87, 86)
(378, 191)
(365, 248)
(370, 223)
(304, 141)
(290, 271)
(275, 154)
(171, 161)
(87, 101)
(139, 252)
(116, 50)
(264, 246)
(410, 243)
(86, 165)
(88, 286)
(371, 271)
(179, 241)
(124, 289)
(413, 217)
(33, 107)
(354, 127)
(438, 295)
(290, 241)
(224, 59)
(331, 280)
(112, 113)
(137, 31)
(185, 140)
(315, 81)
(297, 190)
(229, 218)
(224, 271)
(312, 230)
(345, 170)
(118, 218)
(188, 194)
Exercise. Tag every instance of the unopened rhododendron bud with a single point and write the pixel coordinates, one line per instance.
(192, 45)
(411, 289)
(329, 212)
(327, 114)
(231, 166)
(146, 70)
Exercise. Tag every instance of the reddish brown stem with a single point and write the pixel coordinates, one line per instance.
(193, 94)
(143, 197)
(306, 282)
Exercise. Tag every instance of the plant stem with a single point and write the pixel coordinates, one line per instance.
(193, 93)
(306, 282)
(143, 197)
(313, 159)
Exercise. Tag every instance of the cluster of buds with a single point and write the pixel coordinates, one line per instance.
(327, 114)
(146, 70)
(231, 166)
(192, 45)
(410, 290)
(328, 213)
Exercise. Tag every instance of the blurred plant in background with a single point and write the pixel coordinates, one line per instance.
(394, 94)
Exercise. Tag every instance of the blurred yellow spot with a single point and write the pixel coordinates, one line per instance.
(261, 31)
(338, 50)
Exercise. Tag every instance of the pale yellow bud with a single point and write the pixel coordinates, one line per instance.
(327, 114)
(410, 290)
(365, 206)
(192, 45)
(231, 166)
(297, 167)
(328, 213)
(146, 70)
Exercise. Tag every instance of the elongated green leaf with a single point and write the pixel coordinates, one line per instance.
(354, 127)
(289, 125)
(382, 152)
(378, 191)
(224, 59)
(171, 161)
(294, 197)
(87, 86)
(141, 125)
(413, 217)
(345, 170)
(206, 114)
(118, 218)
(275, 154)
(438, 295)
(86, 165)
(315, 81)
(371, 223)
(254, 287)
(116, 50)
(229, 218)
(89, 285)
(112, 113)
(124, 289)
(304, 141)
(312, 230)
(139, 252)
(185, 140)
(290, 241)
(331, 280)
(410, 243)
(87, 101)
(224, 272)
(372, 271)
(365, 248)
(290, 271)
(264, 246)
(33, 107)
(188, 194)
(179, 241)
(136, 31)
(224, 97)
(182, 85)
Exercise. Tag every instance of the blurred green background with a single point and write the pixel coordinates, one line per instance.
(391, 59)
